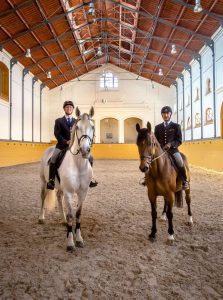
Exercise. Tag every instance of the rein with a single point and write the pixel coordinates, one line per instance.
(79, 140)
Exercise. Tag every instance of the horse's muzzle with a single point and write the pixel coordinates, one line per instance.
(143, 169)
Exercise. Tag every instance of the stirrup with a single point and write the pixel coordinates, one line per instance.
(50, 184)
(93, 184)
(185, 185)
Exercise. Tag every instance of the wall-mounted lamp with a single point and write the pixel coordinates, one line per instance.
(28, 53)
(49, 75)
(198, 8)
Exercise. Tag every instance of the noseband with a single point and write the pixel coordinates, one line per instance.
(83, 137)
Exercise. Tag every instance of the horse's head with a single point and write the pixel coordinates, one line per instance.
(84, 132)
(146, 146)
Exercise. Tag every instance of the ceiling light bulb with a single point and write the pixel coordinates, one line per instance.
(49, 74)
(173, 50)
(198, 8)
(28, 53)
(91, 10)
(160, 72)
(99, 52)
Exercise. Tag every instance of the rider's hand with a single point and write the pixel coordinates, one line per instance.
(167, 146)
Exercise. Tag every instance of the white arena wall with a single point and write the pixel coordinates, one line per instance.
(133, 98)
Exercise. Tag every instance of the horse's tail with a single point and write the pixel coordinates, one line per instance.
(50, 200)
(179, 199)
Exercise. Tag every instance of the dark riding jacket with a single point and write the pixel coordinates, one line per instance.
(170, 134)
(62, 132)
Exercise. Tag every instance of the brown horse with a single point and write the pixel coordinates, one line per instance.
(161, 178)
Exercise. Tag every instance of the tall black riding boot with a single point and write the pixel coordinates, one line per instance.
(52, 174)
(183, 174)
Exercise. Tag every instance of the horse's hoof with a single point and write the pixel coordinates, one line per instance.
(70, 248)
(190, 221)
(79, 244)
(152, 238)
(170, 240)
(64, 223)
(40, 221)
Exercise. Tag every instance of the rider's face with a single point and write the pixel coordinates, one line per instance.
(166, 116)
(68, 109)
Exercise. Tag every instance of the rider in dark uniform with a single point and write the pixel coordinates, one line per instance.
(169, 136)
(62, 130)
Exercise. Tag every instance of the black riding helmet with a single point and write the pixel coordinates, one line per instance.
(166, 109)
(68, 103)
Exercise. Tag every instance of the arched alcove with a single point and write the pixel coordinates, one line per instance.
(109, 130)
(130, 132)
(4, 81)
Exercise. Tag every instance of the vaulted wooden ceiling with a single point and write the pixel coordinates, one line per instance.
(65, 36)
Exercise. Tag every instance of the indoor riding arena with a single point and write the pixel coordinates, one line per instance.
(120, 88)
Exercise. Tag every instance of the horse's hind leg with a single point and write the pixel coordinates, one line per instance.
(61, 207)
(79, 240)
(68, 197)
(188, 201)
(163, 216)
(169, 213)
(43, 196)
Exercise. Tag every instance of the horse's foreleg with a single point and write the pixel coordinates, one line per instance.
(79, 240)
(169, 214)
(188, 201)
(152, 235)
(61, 207)
(70, 217)
(42, 210)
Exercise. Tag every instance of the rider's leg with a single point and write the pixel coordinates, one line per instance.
(182, 170)
(53, 169)
(92, 183)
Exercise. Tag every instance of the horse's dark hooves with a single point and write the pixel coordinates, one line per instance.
(40, 221)
(79, 244)
(70, 248)
(152, 238)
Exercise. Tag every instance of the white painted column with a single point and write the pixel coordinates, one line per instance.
(97, 131)
(121, 131)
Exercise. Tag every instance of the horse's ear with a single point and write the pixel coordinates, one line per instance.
(137, 127)
(77, 111)
(148, 125)
(91, 113)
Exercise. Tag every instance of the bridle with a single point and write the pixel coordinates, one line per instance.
(151, 158)
(80, 139)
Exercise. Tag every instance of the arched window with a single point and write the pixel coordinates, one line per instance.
(188, 100)
(209, 116)
(4, 82)
(197, 120)
(208, 86)
(108, 81)
(197, 94)
(188, 123)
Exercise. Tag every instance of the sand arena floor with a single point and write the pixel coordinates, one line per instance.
(118, 261)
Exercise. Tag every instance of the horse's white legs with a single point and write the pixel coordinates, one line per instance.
(61, 207)
(79, 240)
(163, 217)
(42, 210)
(190, 220)
(68, 197)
